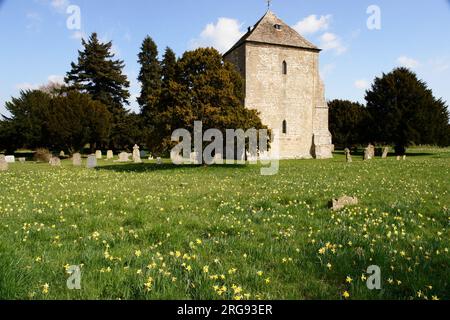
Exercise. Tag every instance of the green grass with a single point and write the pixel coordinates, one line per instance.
(231, 220)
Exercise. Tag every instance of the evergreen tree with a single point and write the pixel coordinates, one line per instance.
(168, 66)
(205, 89)
(150, 79)
(98, 74)
(404, 111)
(347, 123)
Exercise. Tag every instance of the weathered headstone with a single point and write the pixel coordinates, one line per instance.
(385, 152)
(92, 161)
(150, 157)
(348, 155)
(10, 159)
(136, 154)
(124, 157)
(22, 160)
(404, 158)
(342, 202)
(398, 158)
(55, 162)
(62, 154)
(158, 161)
(98, 155)
(369, 152)
(3, 163)
(109, 155)
(76, 159)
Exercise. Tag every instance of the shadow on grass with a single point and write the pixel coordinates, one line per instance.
(150, 167)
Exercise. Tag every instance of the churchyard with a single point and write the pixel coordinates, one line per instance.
(158, 231)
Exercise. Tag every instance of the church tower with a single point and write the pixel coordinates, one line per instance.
(282, 82)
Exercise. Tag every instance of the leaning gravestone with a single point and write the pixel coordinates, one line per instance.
(136, 154)
(385, 153)
(92, 161)
(109, 155)
(76, 159)
(55, 162)
(3, 163)
(348, 155)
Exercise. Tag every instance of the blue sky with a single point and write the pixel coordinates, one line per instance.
(37, 46)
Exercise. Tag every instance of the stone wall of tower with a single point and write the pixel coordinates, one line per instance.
(296, 97)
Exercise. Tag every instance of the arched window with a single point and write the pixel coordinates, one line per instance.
(285, 67)
(284, 127)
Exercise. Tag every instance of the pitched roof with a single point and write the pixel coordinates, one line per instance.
(265, 32)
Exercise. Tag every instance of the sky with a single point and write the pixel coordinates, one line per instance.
(360, 39)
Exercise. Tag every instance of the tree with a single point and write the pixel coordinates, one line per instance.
(168, 66)
(98, 74)
(404, 111)
(150, 78)
(76, 119)
(205, 89)
(27, 126)
(347, 123)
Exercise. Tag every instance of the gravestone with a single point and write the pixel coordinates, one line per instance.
(98, 155)
(109, 155)
(348, 155)
(10, 159)
(369, 152)
(124, 157)
(3, 163)
(158, 161)
(55, 162)
(62, 154)
(398, 158)
(385, 153)
(92, 161)
(22, 160)
(150, 157)
(342, 202)
(76, 159)
(136, 154)
(404, 158)
(143, 154)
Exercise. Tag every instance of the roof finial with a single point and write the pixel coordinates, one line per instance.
(269, 2)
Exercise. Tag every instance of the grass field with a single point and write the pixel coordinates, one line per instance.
(165, 232)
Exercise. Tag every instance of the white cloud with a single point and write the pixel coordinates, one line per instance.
(60, 5)
(407, 62)
(222, 35)
(33, 86)
(362, 84)
(313, 24)
(331, 42)
(34, 21)
(56, 79)
(27, 86)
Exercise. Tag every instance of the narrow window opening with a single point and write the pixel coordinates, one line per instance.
(284, 127)
(285, 67)
(277, 26)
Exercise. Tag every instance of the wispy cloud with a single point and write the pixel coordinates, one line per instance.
(313, 24)
(331, 42)
(221, 35)
(408, 62)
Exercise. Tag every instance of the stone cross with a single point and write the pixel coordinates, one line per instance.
(109, 155)
(348, 155)
(55, 162)
(92, 161)
(3, 163)
(136, 154)
(98, 154)
(76, 159)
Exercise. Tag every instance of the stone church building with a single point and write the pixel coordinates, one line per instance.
(282, 82)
